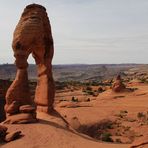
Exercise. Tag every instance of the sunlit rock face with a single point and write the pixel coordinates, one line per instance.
(32, 35)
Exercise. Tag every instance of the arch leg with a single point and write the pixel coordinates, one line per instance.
(18, 106)
(45, 90)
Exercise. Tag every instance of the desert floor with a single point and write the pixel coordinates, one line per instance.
(123, 115)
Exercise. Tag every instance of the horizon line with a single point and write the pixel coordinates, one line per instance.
(83, 64)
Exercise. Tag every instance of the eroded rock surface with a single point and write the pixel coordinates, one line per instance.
(21, 118)
(8, 136)
(27, 109)
(118, 85)
(32, 35)
(3, 131)
(12, 136)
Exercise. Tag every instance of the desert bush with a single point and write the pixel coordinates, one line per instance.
(94, 83)
(100, 89)
(90, 92)
(141, 115)
(88, 88)
(143, 80)
(122, 114)
(87, 100)
(60, 85)
(73, 99)
(106, 137)
(97, 130)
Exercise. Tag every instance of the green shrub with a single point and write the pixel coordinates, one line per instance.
(73, 99)
(140, 115)
(106, 137)
(88, 100)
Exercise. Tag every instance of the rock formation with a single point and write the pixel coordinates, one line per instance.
(118, 86)
(32, 35)
(6, 136)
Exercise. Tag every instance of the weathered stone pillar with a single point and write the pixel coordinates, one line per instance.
(118, 85)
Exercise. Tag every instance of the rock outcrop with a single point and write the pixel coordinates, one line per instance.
(3, 131)
(8, 136)
(118, 85)
(12, 136)
(32, 35)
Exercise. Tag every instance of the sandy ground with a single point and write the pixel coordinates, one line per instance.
(54, 132)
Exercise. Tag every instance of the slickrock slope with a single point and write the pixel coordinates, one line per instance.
(52, 132)
(128, 109)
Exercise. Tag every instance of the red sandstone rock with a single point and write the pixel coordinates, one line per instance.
(13, 108)
(27, 109)
(19, 89)
(32, 35)
(118, 86)
(20, 118)
(3, 130)
(12, 136)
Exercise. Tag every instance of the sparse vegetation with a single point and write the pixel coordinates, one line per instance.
(98, 130)
(143, 118)
(88, 88)
(106, 137)
(87, 100)
(85, 90)
(73, 99)
(141, 115)
(100, 89)
(122, 114)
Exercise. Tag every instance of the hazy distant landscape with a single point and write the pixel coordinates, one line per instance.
(77, 72)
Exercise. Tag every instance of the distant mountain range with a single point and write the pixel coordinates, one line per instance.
(73, 72)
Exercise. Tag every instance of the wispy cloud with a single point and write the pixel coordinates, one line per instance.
(90, 31)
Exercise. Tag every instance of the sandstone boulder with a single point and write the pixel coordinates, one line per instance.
(12, 136)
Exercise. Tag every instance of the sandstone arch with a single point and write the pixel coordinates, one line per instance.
(32, 35)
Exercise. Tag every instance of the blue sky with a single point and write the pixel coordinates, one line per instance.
(85, 31)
